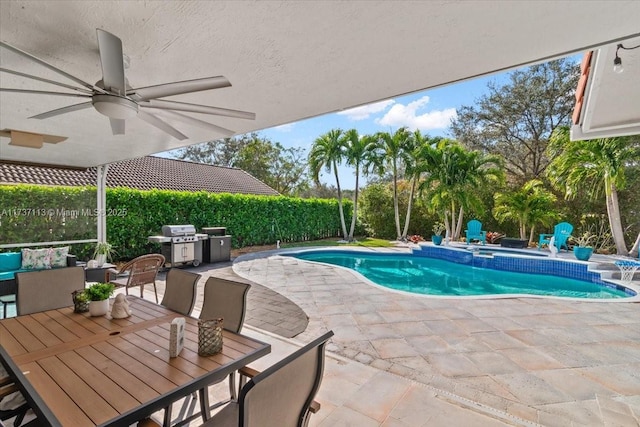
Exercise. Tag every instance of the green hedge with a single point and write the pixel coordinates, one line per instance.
(133, 215)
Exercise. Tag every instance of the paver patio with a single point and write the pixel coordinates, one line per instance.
(534, 360)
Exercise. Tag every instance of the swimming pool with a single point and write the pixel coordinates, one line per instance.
(429, 276)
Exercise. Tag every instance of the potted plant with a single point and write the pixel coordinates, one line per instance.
(438, 229)
(98, 294)
(103, 253)
(582, 250)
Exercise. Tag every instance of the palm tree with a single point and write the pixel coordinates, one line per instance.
(530, 205)
(328, 152)
(391, 150)
(414, 168)
(453, 176)
(359, 153)
(594, 166)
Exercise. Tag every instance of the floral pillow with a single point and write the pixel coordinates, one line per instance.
(35, 259)
(58, 256)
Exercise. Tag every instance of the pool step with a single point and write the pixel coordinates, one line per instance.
(609, 270)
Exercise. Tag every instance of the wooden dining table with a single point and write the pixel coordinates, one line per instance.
(113, 372)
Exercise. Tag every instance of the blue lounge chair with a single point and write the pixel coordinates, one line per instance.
(474, 231)
(561, 232)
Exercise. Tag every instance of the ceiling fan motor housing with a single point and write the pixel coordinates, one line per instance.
(115, 107)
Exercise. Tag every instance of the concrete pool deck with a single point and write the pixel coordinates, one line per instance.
(528, 360)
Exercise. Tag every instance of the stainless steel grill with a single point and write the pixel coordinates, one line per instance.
(179, 244)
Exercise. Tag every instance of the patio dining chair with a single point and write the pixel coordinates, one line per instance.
(474, 231)
(139, 271)
(12, 402)
(226, 299)
(280, 396)
(180, 291)
(561, 233)
(47, 289)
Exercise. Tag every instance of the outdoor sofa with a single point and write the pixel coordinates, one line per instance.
(31, 260)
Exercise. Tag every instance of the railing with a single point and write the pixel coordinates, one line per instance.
(59, 242)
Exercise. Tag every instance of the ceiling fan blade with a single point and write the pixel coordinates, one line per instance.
(200, 123)
(51, 67)
(63, 110)
(29, 76)
(195, 108)
(44, 92)
(110, 47)
(154, 121)
(178, 88)
(117, 126)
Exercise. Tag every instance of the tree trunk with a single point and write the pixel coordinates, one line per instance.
(447, 226)
(340, 208)
(414, 182)
(355, 207)
(523, 230)
(531, 235)
(396, 208)
(452, 236)
(459, 226)
(634, 252)
(613, 210)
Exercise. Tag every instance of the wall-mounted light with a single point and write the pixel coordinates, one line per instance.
(617, 61)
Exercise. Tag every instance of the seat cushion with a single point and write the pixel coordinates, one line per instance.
(10, 261)
(8, 275)
(227, 417)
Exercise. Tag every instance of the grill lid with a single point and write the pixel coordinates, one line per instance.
(178, 230)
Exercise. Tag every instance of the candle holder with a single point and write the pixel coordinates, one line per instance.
(80, 301)
(209, 337)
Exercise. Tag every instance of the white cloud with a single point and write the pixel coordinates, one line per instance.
(405, 115)
(285, 128)
(362, 113)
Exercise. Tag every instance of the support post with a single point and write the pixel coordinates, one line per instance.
(101, 186)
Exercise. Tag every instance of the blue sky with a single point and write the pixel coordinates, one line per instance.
(430, 111)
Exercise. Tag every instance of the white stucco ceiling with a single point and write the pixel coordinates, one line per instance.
(286, 60)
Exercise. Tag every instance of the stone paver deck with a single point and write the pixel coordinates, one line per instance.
(266, 309)
(548, 361)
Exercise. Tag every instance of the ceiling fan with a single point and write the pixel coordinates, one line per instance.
(114, 98)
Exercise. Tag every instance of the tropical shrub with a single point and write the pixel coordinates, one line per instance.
(133, 215)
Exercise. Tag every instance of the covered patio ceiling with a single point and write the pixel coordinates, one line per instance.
(611, 101)
(286, 60)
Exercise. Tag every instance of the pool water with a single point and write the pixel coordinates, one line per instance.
(422, 275)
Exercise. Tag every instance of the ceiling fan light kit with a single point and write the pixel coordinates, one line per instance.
(114, 98)
(115, 107)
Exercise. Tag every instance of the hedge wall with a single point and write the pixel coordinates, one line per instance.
(133, 215)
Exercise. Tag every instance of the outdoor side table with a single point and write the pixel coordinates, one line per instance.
(627, 269)
(6, 300)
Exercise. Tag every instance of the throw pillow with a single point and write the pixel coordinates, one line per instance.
(35, 259)
(58, 256)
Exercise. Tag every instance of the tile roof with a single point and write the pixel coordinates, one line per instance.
(144, 173)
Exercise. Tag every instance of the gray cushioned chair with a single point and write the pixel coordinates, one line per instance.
(226, 299)
(180, 291)
(47, 289)
(280, 396)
